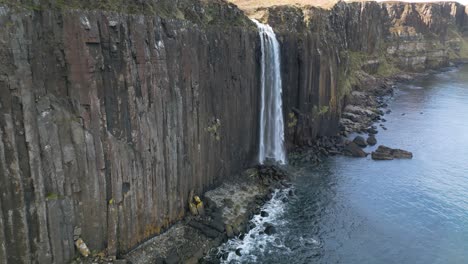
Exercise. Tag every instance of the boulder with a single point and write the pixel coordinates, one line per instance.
(371, 140)
(360, 141)
(353, 150)
(372, 131)
(82, 247)
(386, 153)
(270, 229)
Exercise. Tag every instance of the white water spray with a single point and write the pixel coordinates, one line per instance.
(271, 113)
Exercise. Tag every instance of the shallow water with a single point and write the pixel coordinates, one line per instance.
(352, 210)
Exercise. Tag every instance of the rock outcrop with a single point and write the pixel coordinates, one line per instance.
(386, 153)
(353, 150)
(111, 112)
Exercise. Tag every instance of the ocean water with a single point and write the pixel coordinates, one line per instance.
(351, 210)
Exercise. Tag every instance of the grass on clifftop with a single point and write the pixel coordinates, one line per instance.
(250, 5)
(203, 12)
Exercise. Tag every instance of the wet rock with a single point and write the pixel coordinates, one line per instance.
(371, 140)
(353, 150)
(271, 173)
(238, 252)
(360, 141)
(386, 153)
(264, 214)
(291, 193)
(270, 229)
(257, 211)
(372, 131)
(229, 231)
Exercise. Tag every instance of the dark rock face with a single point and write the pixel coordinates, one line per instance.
(108, 121)
(386, 153)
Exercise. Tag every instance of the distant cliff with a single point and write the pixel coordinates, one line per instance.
(328, 53)
(111, 112)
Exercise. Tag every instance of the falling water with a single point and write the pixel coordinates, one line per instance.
(271, 113)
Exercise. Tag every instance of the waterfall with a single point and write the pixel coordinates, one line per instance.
(271, 113)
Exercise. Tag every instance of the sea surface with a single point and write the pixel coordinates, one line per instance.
(350, 210)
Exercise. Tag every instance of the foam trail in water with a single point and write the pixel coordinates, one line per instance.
(256, 241)
(271, 113)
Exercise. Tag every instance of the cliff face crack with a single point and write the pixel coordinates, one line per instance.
(271, 111)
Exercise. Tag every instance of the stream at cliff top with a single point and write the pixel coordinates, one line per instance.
(350, 210)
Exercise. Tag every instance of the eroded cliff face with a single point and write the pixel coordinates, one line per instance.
(109, 119)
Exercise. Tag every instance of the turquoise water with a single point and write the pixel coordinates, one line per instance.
(352, 210)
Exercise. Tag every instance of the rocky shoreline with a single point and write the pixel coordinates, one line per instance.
(228, 210)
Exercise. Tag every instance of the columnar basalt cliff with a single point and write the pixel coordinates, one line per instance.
(109, 120)
(109, 117)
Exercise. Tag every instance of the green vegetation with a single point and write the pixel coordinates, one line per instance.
(323, 110)
(386, 67)
(53, 196)
(464, 48)
(319, 112)
(292, 120)
(214, 129)
(350, 72)
(347, 77)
